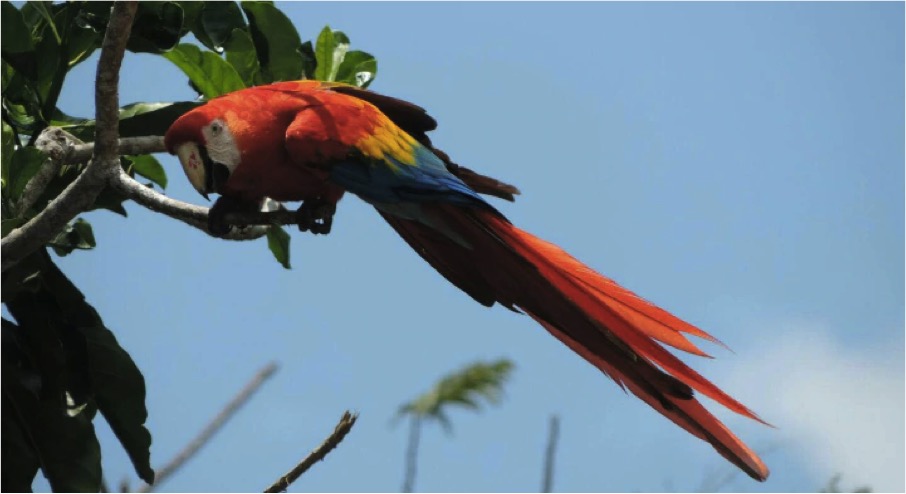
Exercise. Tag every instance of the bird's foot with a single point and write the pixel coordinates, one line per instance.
(223, 206)
(316, 216)
(217, 224)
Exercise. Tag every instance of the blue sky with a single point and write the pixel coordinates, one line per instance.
(741, 165)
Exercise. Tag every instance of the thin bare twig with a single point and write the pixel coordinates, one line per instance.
(415, 428)
(547, 481)
(205, 435)
(339, 432)
(82, 192)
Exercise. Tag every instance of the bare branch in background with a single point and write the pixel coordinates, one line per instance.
(412, 454)
(82, 192)
(342, 428)
(208, 432)
(553, 434)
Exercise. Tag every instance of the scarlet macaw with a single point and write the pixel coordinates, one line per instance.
(311, 141)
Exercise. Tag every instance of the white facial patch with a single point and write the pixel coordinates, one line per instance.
(220, 144)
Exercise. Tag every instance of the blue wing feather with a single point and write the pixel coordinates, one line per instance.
(389, 181)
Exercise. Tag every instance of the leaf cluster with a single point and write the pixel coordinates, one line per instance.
(62, 365)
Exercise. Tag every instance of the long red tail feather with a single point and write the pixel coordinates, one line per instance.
(611, 327)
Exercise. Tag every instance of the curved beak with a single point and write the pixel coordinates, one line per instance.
(193, 163)
(204, 174)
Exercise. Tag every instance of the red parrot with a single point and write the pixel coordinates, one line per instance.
(311, 141)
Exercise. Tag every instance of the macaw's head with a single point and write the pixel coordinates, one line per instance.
(206, 147)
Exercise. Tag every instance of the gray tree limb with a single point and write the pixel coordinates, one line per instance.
(57, 145)
(193, 215)
(82, 192)
(342, 428)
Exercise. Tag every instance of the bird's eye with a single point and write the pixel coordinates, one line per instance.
(216, 128)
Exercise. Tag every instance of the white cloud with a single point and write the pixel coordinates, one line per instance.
(841, 407)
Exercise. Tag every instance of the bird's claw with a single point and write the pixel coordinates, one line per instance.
(316, 216)
(217, 224)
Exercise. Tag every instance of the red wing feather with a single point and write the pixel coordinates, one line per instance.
(609, 326)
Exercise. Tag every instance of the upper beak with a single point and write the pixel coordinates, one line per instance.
(194, 164)
(205, 174)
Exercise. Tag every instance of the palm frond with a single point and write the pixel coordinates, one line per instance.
(465, 387)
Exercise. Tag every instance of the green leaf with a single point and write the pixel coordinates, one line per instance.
(48, 53)
(219, 20)
(41, 8)
(276, 41)
(151, 118)
(191, 10)
(157, 27)
(65, 441)
(83, 41)
(94, 16)
(358, 68)
(330, 51)
(212, 75)
(463, 388)
(25, 162)
(16, 36)
(309, 62)
(17, 45)
(20, 460)
(20, 101)
(77, 235)
(119, 389)
(116, 386)
(67, 445)
(278, 243)
(6, 154)
(241, 54)
(24, 276)
(138, 119)
(147, 166)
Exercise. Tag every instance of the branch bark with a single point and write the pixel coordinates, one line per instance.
(82, 192)
(205, 435)
(190, 214)
(342, 428)
(57, 145)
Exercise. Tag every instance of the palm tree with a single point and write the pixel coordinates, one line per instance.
(466, 388)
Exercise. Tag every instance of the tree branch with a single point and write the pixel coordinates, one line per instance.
(196, 216)
(57, 144)
(205, 435)
(82, 192)
(342, 428)
(128, 145)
